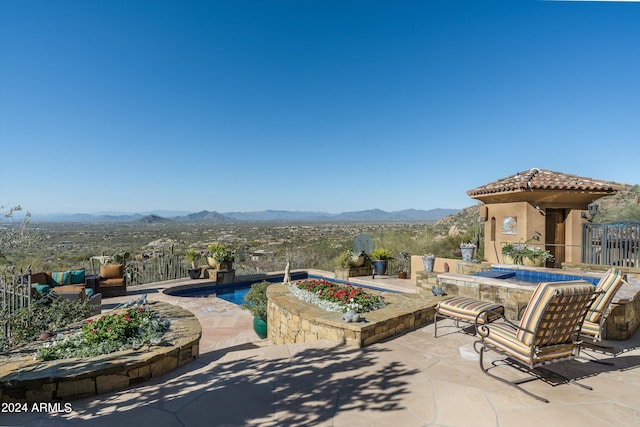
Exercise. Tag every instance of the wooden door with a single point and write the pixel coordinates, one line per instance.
(555, 236)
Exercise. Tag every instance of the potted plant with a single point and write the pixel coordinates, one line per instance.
(403, 272)
(511, 253)
(380, 259)
(345, 259)
(427, 262)
(220, 257)
(536, 257)
(467, 250)
(256, 302)
(192, 256)
(525, 254)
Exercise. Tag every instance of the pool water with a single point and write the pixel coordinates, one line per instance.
(533, 276)
(235, 292)
(233, 295)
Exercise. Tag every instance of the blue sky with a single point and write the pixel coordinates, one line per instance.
(334, 106)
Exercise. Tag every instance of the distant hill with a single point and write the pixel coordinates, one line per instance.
(204, 216)
(372, 215)
(153, 219)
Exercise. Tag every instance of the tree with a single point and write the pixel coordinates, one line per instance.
(13, 235)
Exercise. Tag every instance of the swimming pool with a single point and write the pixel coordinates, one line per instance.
(532, 276)
(234, 293)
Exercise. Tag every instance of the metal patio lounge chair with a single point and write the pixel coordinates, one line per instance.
(548, 332)
(594, 328)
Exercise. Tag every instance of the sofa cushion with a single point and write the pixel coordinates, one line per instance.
(60, 278)
(41, 278)
(72, 292)
(112, 282)
(112, 271)
(77, 277)
(42, 288)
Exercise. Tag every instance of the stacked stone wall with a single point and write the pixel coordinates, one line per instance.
(291, 321)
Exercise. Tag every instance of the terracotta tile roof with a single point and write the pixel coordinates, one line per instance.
(544, 179)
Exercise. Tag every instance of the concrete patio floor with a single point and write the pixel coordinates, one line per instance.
(411, 380)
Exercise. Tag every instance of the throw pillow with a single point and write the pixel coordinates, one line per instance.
(60, 278)
(77, 277)
(111, 271)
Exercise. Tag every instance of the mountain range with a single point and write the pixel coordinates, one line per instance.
(372, 215)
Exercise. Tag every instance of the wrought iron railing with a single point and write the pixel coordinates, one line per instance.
(15, 296)
(611, 244)
(159, 268)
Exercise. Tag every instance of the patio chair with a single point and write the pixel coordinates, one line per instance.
(594, 328)
(112, 281)
(548, 332)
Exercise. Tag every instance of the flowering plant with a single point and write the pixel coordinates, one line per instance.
(106, 334)
(333, 297)
(519, 251)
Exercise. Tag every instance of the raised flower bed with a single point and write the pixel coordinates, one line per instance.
(24, 378)
(294, 320)
(333, 297)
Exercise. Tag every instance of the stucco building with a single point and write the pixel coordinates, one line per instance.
(539, 206)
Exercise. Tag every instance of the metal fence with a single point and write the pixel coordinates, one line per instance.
(15, 295)
(611, 244)
(159, 268)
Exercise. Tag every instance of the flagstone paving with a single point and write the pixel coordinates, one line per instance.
(411, 380)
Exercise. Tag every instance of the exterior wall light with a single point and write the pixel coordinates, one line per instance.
(593, 211)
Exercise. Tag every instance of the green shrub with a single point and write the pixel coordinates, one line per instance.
(30, 322)
(256, 299)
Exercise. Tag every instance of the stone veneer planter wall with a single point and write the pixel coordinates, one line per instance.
(291, 320)
(23, 379)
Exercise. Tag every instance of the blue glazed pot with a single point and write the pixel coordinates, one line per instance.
(381, 267)
(260, 327)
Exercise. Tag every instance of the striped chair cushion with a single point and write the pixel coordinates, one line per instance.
(592, 329)
(504, 337)
(466, 308)
(560, 319)
(609, 284)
